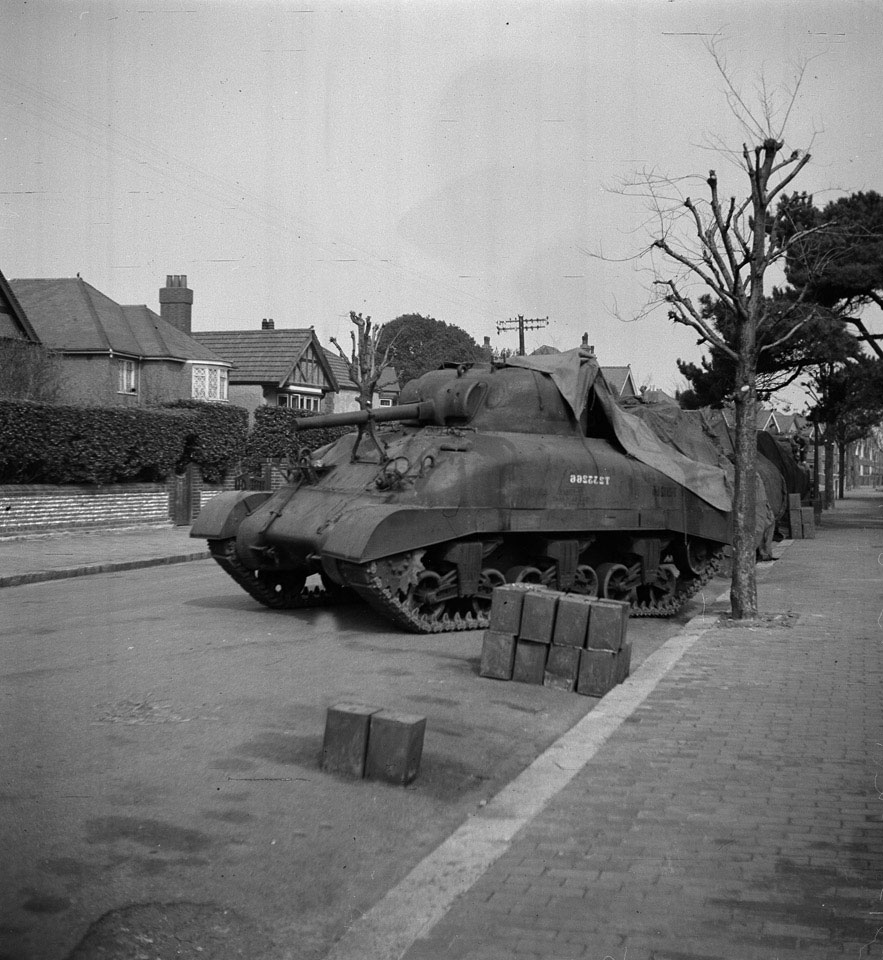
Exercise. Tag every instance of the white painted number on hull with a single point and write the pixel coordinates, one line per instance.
(590, 479)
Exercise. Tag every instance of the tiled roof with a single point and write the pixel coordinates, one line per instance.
(262, 356)
(13, 320)
(617, 377)
(389, 379)
(71, 316)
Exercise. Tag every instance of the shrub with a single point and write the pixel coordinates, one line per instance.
(46, 443)
(216, 436)
(274, 436)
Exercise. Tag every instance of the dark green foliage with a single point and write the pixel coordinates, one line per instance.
(43, 443)
(821, 338)
(418, 344)
(842, 258)
(274, 436)
(216, 436)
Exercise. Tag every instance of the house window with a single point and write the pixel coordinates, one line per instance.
(127, 376)
(209, 383)
(299, 401)
(385, 401)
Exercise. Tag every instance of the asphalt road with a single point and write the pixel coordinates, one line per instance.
(161, 794)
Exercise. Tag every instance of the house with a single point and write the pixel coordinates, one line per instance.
(280, 368)
(115, 355)
(14, 323)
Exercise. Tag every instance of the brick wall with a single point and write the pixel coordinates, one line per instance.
(39, 508)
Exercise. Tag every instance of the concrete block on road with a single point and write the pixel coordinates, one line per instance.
(497, 655)
(538, 616)
(562, 668)
(795, 521)
(597, 672)
(395, 746)
(572, 621)
(530, 661)
(506, 604)
(608, 625)
(345, 745)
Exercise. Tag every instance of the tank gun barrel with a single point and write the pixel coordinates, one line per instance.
(423, 411)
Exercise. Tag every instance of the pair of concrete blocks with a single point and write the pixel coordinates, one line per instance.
(567, 641)
(802, 519)
(364, 741)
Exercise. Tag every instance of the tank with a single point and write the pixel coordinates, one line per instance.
(525, 471)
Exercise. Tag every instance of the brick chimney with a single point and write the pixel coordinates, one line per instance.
(176, 302)
(267, 324)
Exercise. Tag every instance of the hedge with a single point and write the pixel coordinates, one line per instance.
(216, 438)
(49, 443)
(274, 436)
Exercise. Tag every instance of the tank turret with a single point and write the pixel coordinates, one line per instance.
(523, 471)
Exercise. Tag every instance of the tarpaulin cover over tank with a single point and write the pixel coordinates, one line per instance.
(575, 372)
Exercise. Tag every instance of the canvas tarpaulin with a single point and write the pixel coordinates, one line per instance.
(575, 372)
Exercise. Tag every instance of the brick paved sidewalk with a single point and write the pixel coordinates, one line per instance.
(736, 813)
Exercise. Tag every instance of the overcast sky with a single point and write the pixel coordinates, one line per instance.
(298, 160)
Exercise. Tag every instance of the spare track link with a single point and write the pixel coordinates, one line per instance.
(224, 553)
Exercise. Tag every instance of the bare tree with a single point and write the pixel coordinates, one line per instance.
(725, 245)
(362, 364)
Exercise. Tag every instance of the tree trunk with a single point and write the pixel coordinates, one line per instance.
(841, 484)
(743, 589)
(829, 467)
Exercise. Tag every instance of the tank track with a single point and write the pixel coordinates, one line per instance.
(364, 580)
(687, 589)
(367, 584)
(224, 553)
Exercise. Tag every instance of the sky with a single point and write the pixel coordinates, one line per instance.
(470, 161)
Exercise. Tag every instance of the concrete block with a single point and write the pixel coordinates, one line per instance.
(794, 501)
(345, 745)
(562, 667)
(395, 746)
(623, 664)
(808, 518)
(597, 672)
(497, 655)
(530, 661)
(608, 625)
(572, 621)
(506, 604)
(795, 520)
(538, 616)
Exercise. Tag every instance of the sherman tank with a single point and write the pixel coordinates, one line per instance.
(521, 471)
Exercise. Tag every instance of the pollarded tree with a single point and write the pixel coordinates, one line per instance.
(366, 361)
(726, 244)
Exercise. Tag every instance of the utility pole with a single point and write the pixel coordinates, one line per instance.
(521, 324)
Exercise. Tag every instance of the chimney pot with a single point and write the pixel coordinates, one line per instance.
(176, 302)
(267, 324)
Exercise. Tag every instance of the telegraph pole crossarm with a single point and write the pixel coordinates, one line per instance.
(521, 325)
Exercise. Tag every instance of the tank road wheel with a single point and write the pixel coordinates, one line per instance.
(421, 597)
(586, 581)
(279, 589)
(523, 574)
(615, 582)
(481, 602)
